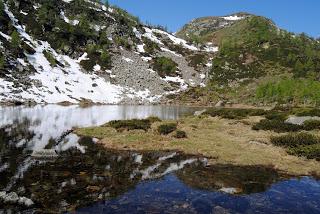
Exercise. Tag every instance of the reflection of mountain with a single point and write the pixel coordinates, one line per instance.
(51, 121)
(75, 179)
(11, 155)
(229, 179)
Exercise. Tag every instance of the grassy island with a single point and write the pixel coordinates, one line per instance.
(224, 136)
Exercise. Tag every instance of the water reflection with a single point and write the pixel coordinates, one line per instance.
(50, 122)
(87, 178)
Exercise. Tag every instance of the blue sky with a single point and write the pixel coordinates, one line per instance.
(293, 15)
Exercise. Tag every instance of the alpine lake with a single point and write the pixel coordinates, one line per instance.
(46, 168)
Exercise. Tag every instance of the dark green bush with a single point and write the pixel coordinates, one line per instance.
(150, 47)
(165, 67)
(311, 125)
(310, 152)
(295, 140)
(276, 115)
(277, 126)
(197, 60)
(130, 124)
(302, 144)
(167, 128)
(308, 112)
(50, 58)
(229, 113)
(180, 134)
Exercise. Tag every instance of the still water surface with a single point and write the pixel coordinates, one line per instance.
(89, 179)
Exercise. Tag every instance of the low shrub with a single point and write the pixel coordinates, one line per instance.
(308, 112)
(165, 67)
(167, 128)
(180, 134)
(277, 126)
(50, 58)
(130, 124)
(311, 125)
(310, 152)
(295, 140)
(229, 113)
(276, 115)
(302, 144)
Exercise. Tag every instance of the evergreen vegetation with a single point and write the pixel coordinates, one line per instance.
(298, 91)
(165, 67)
(253, 47)
(167, 128)
(15, 40)
(301, 144)
(2, 61)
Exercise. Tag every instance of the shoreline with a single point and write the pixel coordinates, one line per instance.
(221, 141)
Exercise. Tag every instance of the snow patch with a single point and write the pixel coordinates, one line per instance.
(233, 18)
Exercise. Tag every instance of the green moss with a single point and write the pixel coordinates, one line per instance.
(167, 128)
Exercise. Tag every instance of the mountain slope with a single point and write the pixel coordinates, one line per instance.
(85, 51)
(200, 30)
(255, 54)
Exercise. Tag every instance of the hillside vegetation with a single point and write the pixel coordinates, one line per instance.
(258, 62)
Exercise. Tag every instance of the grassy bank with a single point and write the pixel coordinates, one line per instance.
(223, 141)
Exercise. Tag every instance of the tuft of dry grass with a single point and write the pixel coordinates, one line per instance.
(222, 141)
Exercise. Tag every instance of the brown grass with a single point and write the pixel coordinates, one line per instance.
(222, 141)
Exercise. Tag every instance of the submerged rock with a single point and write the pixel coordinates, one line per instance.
(44, 153)
(13, 197)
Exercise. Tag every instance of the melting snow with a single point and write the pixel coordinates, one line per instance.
(5, 36)
(170, 51)
(67, 20)
(127, 59)
(140, 48)
(211, 49)
(233, 18)
(176, 40)
(53, 79)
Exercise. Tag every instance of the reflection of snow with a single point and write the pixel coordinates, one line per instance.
(51, 121)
